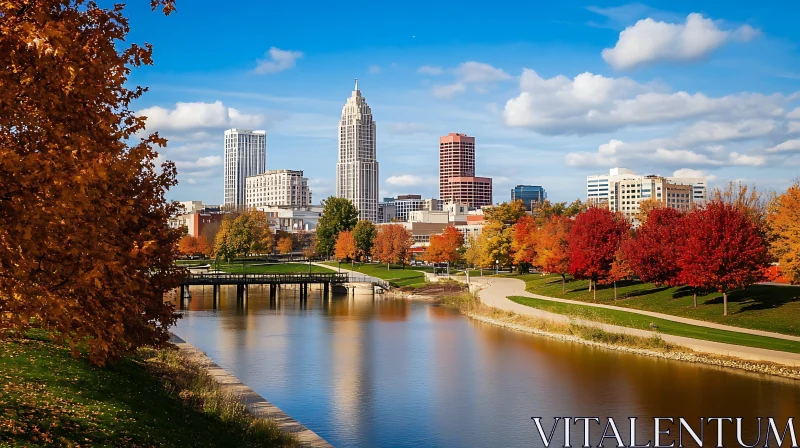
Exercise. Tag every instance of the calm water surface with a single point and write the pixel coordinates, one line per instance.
(390, 373)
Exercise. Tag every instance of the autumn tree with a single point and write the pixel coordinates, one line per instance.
(338, 214)
(575, 208)
(508, 212)
(194, 245)
(749, 200)
(724, 250)
(620, 270)
(444, 248)
(594, 240)
(552, 250)
(654, 250)
(473, 253)
(86, 252)
(392, 244)
(546, 209)
(345, 248)
(247, 233)
(495, 243)
(647, 206)
(285, 245)
(364, 235)
(784, 222)
(523, 243)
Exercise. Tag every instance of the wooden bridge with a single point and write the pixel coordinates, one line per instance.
(242, 281)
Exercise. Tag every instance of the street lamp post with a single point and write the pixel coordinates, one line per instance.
(496, 267)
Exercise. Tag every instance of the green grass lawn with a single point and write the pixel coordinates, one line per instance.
(259, 267)
(397, 276)
(50, 398)
(632, 320)
(760, 307)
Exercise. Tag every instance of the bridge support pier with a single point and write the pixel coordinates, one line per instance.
(326, 288)
(272, 289)
(215, 295)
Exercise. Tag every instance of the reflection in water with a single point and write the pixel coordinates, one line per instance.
(364, 372)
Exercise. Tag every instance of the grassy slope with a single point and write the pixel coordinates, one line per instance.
(632, 320)
(410, 276)
(49, 398)
(761, 307)
(261, 268)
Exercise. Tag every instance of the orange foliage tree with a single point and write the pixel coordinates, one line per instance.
(392, 244)
(553, 247)
(194, 245)
(285, 245)
(345, 248)
(85, 249)
(523, 243)
(784, 221)
(444, 247)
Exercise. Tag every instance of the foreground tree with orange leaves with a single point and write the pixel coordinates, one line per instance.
(552, 249)
(345, 248)
(85, 249)
(784, 221)
(194, 245)
(444, 248)
(392, 244)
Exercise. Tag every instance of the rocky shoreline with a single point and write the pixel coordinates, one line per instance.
(683, 354)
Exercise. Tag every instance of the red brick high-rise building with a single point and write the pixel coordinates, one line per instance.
(457, 180)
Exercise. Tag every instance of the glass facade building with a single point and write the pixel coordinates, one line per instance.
(529, 195)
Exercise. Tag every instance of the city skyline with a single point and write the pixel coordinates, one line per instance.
(523, 91)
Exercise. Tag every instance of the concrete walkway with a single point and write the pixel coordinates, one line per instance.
(494, 291)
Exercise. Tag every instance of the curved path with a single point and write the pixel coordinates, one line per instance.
(494, 291)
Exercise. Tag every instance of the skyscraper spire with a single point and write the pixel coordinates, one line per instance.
(356, 88)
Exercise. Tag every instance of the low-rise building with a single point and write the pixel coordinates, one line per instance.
(293, 219)
(278, 188)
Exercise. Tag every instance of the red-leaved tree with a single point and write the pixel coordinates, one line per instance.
(654, 250)
(593, 243)
(724, 250)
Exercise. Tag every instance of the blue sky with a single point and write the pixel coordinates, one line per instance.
(552, 91)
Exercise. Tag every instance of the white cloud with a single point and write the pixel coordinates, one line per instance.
(374, 69)
(688, 172)
(404, 180)
(200, 164)
(650, 41)
(475, 74)
(747, 160)
(605, 156)
(277, 60)
(189, 116)
(787, 146)
(592, 103)
(721, 131)
(430, 70)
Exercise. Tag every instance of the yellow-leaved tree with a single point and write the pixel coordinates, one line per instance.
(85, 248)
(784, 222)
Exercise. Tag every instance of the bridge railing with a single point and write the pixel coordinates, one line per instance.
(356, 278)
(269, 278)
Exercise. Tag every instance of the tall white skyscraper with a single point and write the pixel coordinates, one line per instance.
(357, 167)
(245, 155)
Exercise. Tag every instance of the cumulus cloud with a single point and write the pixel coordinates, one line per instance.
(650, 41)
(430, 70)
(475, 74)
(591, 103)
(688, 172)
(404, 180)
(788, 146)
(200, 164)
(193, 116)
(277, 60)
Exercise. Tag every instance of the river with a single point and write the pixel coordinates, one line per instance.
(393, 373)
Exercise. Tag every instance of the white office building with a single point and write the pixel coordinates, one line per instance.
(622, 190)
(357, 166)
(282, 188)
(245, 155)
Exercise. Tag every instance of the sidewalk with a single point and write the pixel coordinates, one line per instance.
(494, 291)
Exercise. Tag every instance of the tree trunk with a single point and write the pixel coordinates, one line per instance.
(594, 289)
(694, 298)
(615, 290)
(724, 303)
(563, 284)
(388, 266)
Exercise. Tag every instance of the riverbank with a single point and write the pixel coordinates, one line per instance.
(587, 334)
(152, 398)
